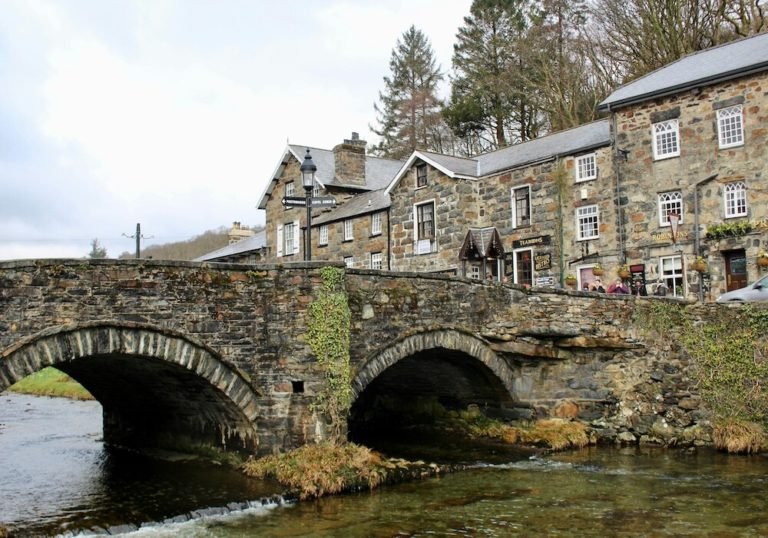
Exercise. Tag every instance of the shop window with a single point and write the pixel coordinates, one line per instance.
(523, 269)
(671, 273)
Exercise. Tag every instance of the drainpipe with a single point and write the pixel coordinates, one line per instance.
(696, 241)
(619, 158)
(389, 238)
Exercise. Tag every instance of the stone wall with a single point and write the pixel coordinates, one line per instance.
(643, 178)
(364, 242)
(122, 327)
(456, 209)
(252, 320)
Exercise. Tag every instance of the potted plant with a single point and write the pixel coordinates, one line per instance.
(623, 272)
(570, 279)
(762, 259)
(699, 265)
(598, 270)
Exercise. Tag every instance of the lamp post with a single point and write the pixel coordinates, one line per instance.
(308, 169)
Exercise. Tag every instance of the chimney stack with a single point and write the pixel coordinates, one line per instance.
(349, 157)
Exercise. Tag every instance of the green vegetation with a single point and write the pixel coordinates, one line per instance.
(729, 229)
(730, 358)
(51, 382)
(328, 337)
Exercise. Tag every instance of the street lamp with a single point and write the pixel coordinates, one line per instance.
(308, 169)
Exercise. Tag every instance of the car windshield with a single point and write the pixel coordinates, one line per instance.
(762, 283)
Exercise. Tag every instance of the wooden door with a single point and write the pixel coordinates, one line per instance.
(735, 269)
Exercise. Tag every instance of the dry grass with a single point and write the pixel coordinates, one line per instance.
(323, 469)
(553, 433)
(740, 437)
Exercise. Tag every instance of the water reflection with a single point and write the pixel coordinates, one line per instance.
(55, 479)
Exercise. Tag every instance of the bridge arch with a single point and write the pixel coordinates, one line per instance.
(157, 387)
(447, 338)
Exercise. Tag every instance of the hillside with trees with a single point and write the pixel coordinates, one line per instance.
(190, 249)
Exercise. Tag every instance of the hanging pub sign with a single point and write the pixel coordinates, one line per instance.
(542, 262)
(531, 241)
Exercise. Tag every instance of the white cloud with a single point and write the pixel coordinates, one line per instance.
(173, 114)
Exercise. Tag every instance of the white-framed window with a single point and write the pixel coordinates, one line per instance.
(586, 167)
(376, 260)
(521, 206)
(349, 233)
(474, 272)
(290, 189)
(316, 189)
(666, 139)
(288, 238)
(424, 228)
(522, 269)
(670, 202)
(376, 223)
(323, 234)
(421, 175)
(735, 198)
(588, 222)
(730, 126)
(671, 273)
(349, 261)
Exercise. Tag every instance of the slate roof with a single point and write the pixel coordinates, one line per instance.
(717, 64)
(378, 171)
(578, 139)
(482, 243)
(255, 242)
(570, 142)
(366, 202)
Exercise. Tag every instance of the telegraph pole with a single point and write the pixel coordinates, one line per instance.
(138, 238)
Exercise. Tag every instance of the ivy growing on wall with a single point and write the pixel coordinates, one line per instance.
(328, 337)
(730, 357)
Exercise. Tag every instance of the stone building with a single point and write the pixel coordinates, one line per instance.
(681, 150)
(356, 230)
(691, 137)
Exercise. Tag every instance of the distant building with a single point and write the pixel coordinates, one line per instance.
(251, 249)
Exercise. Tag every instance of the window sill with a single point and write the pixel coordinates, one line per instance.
(375, 235)
(665, 157)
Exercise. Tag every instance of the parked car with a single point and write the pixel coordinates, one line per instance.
(754, 292)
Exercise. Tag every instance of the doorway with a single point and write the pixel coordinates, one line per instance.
(735, 269)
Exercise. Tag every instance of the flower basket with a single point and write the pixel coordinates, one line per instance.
(598, 270)
(699, 265)
(762, 261)
(623, 272)
(570, 280)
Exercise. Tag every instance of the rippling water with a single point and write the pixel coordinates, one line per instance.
(72, 483)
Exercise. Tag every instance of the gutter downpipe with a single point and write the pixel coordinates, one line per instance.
(617, 173)
(696, 241)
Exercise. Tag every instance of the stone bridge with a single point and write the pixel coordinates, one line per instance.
(186, 354)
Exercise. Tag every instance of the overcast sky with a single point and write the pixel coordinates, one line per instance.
(174, 114)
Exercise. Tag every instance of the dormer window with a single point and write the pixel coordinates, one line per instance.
(421, 175)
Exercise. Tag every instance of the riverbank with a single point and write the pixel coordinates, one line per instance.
(51, 382)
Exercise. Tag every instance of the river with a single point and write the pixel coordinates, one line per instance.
(58, 479)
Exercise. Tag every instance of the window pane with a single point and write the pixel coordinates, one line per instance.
(524, 268)
(670, 202)
(730, 127)
(587, 220)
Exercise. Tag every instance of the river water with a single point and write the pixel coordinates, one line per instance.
(56, 478)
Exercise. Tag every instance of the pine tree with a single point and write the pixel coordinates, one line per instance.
(97, 251)
(490, 100)
(408, 113)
